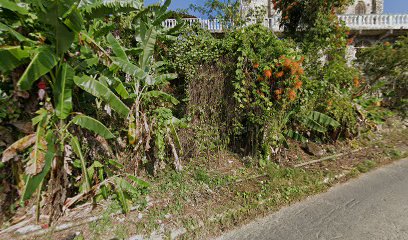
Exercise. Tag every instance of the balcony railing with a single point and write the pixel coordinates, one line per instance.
(375, 22)
(354, 22)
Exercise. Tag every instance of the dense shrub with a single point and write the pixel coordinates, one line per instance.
(269, 89)
(385, 66)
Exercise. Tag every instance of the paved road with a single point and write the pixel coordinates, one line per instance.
(374, 206)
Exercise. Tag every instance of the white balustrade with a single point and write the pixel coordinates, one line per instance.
(375, 21)
(354, 22)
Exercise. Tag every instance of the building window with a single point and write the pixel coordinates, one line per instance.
(360, 8)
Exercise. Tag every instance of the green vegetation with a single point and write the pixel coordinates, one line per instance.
(209, 200)
(385, 66)
(96, 96)
(269, 89)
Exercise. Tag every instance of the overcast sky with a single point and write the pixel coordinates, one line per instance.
(391, 6)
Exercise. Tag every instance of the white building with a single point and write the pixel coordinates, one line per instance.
(359, 7)
(363, 17)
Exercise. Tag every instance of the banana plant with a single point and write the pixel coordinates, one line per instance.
(137, 78)
(314, 121)
(320, 122)
(60, 26)
(147, 80)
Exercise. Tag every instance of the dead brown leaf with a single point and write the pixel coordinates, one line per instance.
(37, 158)
(68, 159)
(25, 127)
(17, 147)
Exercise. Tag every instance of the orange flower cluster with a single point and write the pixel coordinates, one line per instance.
(356, 82)
(275, 4)
(284, 76)
(278, 93)
(280, 74)
(298, 84)
(292, 95)
(268, 73)
(294, 70)
(292, 66)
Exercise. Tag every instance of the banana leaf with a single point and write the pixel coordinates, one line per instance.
(98, 90)
(12, 57)
(116, 84)
(100, 8)
(77, 149)
(162, 95)
(12, 6)
(32, 182)
(320, 122)
(92, 125)
(63, 91)
(129, 68)
(117, 48)
(15, 34)
(148, 36)
(54, 14)
(43, 61)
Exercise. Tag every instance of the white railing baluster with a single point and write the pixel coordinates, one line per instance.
(354, 22)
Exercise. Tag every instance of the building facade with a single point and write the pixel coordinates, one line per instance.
(359, 7)
(362, 7)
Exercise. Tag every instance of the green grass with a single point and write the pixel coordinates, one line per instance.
(395, 153)
(366, 166)
(276, 186)
(207, 201)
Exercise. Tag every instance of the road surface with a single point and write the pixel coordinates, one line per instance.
(373, 206)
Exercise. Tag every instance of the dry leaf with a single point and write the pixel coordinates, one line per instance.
(37, 159)
(25, 127)
(17, 147)
(177, 162)
(68, 159)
